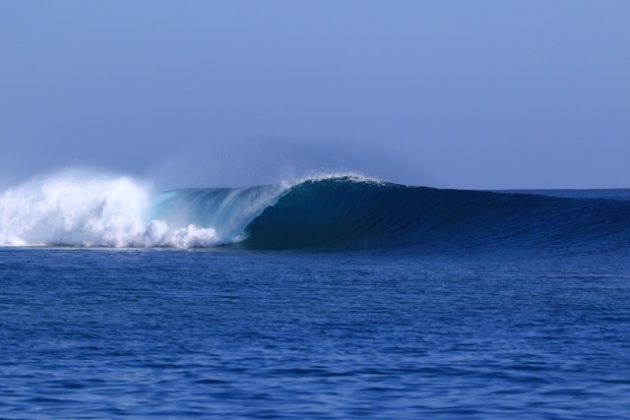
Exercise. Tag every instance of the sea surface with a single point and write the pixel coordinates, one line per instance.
(339, 298)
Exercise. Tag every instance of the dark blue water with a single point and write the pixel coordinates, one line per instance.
(389, 333)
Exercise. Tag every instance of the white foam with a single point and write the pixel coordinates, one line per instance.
(330, 176)
(86, 210)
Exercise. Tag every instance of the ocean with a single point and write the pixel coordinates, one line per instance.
(330, 297)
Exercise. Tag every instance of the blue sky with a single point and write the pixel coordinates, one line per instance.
(467, 94)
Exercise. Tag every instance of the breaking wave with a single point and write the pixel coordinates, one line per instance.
(317, 212)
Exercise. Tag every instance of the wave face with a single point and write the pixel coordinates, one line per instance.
(345, 212)
(322, 212)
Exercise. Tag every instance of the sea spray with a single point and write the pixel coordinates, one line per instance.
(86, 210)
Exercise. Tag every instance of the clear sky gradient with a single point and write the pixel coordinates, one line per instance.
(466, 94)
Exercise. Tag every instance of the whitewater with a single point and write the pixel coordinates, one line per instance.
(102, 211)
